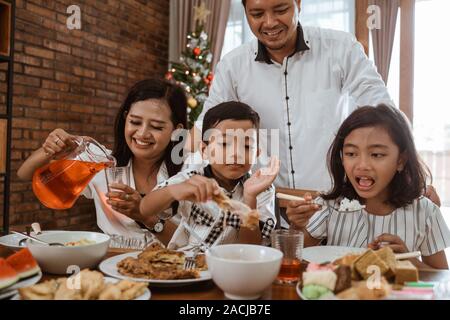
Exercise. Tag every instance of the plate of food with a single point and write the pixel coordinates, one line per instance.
(369, 275)
(17, 271)
(156, 266)
(92, 285)
(322, 254)
(12, 290)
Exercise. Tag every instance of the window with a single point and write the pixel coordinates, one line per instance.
(238, 31)
(431, 104)
(332, 14)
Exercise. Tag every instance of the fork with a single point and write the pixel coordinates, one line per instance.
(190, 263)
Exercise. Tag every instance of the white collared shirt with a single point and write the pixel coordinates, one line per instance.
(112, 222)
(319, 83)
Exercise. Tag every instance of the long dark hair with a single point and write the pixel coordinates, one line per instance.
(406, 185)
(151, 89)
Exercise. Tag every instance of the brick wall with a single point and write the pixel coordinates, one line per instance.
(76, 80)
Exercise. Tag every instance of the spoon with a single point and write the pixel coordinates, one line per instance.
(38, 240)
(36, 229)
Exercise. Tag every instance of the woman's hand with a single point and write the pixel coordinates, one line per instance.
(125, 200)
(262, 179)
(58, 143)
(196, 189)
(300, 211)
(388, 240)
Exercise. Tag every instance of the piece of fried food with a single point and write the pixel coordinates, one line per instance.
(138, 268)
(42, 291)
(130, 289)
(360, 291)
(162, 255)
(92, 284)
(66, 291)
(200, 261)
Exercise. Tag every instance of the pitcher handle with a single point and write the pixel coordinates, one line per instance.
(101, 147)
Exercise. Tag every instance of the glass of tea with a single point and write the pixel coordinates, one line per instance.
(117, 175)
(290, 242)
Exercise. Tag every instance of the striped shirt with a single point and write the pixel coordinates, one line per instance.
(420, 225)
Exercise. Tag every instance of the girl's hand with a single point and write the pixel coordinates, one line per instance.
(262, 179)
(125, 200)
(299, 212)
(388, 240)
(196, 189)
(58, 143)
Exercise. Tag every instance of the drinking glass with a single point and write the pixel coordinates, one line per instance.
(117, 175)
(290, 243)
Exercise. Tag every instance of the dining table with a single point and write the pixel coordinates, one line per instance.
(208, 290)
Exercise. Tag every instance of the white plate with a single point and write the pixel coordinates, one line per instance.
(321, 254)
(145, 296)
(11, 241)
(12, 290)
(109, 267)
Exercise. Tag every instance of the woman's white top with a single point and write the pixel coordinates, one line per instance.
(420, 225)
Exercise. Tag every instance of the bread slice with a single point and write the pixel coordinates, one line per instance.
(405, 271)
(368, 259)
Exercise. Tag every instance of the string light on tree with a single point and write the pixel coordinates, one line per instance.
(193, 71)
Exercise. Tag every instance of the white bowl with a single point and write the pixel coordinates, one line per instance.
(12, 241)
(243, 271)
(57, 260)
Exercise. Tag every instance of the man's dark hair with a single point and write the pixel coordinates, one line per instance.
(406, 185)
(231, 110)
(244, 2)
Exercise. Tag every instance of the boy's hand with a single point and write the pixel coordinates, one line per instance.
(196, 189)
(389, 240)
(299, 212)
(58, 143)
(262, 179)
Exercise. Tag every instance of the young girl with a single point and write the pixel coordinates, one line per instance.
(373, 160)
(152, 110)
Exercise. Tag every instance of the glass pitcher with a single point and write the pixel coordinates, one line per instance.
(58, 184)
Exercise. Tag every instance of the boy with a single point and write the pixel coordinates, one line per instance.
(230, 146)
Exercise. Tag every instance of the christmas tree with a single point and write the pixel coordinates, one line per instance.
(193, 71)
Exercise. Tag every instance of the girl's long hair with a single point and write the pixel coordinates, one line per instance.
(407, 185)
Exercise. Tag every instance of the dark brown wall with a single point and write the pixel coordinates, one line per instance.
(76, 80)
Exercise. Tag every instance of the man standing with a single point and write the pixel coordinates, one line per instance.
(299, 80)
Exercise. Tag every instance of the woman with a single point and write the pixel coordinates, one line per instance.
(151, 112)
